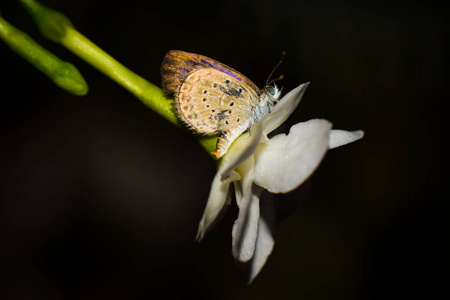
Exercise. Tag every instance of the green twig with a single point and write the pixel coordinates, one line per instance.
(59, 29)
(62, 73)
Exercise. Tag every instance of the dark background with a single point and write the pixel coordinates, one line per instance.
(101, 198)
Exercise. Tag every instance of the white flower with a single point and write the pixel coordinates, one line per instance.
(280, 164)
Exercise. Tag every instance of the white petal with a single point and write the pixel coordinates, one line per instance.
(264, 242)
(246, 173)
(216, 201)
(246, 226)
(339, 138)
(238, 193)
(285, 162)
(241, 149)
(245, 230)
(284, 108)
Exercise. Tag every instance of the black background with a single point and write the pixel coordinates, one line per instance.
(101, 198)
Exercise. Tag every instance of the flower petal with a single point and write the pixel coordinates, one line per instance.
(238, 193)
(284, 108)
(216, 201)
(245, 229)
(246, 226)
(241, 149)
(264, 241)
(339, 138)
(285, 162)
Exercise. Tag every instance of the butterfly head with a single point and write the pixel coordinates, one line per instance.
(272, 92)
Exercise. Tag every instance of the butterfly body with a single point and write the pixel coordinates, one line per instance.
(212, 98)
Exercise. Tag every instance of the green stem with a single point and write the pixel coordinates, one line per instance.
(58, 28)
(62, 73)
(150, 94)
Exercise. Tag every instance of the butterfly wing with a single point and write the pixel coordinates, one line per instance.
(210, 97)
(210, 102)
(177, 65)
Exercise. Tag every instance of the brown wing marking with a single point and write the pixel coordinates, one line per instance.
(177, 65)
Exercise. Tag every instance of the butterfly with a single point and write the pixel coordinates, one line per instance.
(212, 98)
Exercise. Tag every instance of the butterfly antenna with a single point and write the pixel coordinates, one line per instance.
(283, 54)
(276, 79)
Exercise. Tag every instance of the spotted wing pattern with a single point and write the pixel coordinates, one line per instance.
(210, 97)
(210, 102)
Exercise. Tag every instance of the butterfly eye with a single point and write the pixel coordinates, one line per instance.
(270, 90)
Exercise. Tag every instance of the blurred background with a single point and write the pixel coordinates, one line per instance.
(100, 197)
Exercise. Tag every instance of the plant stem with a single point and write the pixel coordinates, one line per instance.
(58, 28)
(62, 73)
